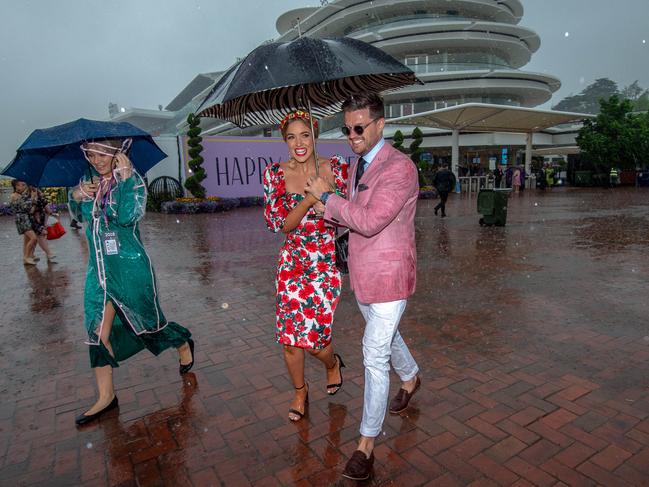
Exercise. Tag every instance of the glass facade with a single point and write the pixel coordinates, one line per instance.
(455, 60)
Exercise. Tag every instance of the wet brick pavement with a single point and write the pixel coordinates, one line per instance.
(532, 340)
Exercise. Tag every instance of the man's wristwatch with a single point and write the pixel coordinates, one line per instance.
(325, 196)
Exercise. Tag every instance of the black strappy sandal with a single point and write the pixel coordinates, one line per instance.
(340, 369)
(306, 401)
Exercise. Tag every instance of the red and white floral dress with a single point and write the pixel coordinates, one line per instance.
(308, 282)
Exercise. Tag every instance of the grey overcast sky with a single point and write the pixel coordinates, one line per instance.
(65, 59)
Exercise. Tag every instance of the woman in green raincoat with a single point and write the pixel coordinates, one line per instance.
(122, 312)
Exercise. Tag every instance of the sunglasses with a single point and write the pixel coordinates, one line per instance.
(358, 129)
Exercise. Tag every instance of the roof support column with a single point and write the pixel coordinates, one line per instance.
(455, 151)
(528, 152)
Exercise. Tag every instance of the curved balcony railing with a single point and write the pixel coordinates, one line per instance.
(428, 68)
(411, 20)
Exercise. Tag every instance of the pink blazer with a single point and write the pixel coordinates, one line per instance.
(381, 219)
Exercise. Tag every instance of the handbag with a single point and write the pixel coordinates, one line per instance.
(342, 242)
(55, 231)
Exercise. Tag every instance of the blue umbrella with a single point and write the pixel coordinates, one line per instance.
(53, 156)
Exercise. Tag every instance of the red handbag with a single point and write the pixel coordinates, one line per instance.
(55, 231)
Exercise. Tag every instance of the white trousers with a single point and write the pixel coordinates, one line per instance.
(382, 345)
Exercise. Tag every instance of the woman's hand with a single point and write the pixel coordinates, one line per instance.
(123, 166)
(85, 190)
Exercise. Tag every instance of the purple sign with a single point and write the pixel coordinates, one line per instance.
(235, 165)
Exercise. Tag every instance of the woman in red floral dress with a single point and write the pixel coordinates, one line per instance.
(308, 282)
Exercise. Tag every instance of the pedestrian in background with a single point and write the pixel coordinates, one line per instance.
(22, 206)
(444, 182)
(38, 218)
(498, 177)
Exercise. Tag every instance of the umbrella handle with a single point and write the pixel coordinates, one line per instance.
(315, 151)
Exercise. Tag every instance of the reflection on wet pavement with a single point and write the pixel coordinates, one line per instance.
(532, 341)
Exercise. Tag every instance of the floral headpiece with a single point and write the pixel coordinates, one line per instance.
(301, 114)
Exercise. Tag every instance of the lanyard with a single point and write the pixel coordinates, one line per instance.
(105, 198)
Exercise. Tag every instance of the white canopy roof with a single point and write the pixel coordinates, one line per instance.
(483, 117)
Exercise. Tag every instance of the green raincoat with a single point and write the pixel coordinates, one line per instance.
(120, 271)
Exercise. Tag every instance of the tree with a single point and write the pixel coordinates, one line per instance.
(415, 150)
(193, 182)
(415, 155)
(397, 140)
(642, 103)
(588, 100)
(616, 137)
(632, 92)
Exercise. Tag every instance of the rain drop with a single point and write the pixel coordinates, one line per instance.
(88, 445)
(644, 41)
(177, 221)
(566, 34)
(535, 204)
(225, 306)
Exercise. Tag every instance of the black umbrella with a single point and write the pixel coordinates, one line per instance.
(316, 74)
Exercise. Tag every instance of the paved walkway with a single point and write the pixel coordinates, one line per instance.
(532, 340)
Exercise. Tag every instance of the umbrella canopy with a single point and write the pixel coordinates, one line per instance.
(53, 156)
(319, 74)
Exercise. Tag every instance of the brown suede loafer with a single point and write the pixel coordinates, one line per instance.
(359, 467)
(400, 402)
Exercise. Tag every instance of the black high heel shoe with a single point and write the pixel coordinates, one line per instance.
(340, 369)
(299, 414)
(87, 418)
(183, 369)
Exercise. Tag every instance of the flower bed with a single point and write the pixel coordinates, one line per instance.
(427, 193)
(59, 207)
(213, 204)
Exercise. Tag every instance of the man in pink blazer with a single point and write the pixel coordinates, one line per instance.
(379, 212)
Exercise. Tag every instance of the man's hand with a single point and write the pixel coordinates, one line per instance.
(317, 186)
(319, 208)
